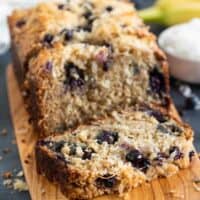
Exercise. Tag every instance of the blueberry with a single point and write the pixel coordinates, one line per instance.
(87, 14)
(174, 128)
(57, 146)
(48, 66)
(68, 34)
(107, 181)
(157, 115)
(48, 38)
(109, 8)
(107, 136)
(74, 76)
(88, 26)
(175, 150)
(20, 23)
(191, 155)
(87, 153)
(138, 160)
(107, 64)
(157, 82)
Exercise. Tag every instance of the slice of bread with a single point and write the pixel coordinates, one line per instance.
(81, 60)
(116, 154)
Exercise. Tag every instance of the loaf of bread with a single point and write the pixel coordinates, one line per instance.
(83, 59)
(91, 70)
(116, 154)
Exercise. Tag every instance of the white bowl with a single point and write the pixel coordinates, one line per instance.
(182, 68)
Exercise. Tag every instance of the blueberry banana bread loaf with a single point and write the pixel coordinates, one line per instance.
(85, 58)
(116, 154)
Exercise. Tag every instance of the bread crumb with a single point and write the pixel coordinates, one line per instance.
(4, 132)
(6, 150)
(7, 183)
(13, 141)
(20, 174)
(20, 185)
(7, 175)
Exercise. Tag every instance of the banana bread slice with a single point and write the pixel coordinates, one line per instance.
(116, 154)
(85, 58)
(67, 86)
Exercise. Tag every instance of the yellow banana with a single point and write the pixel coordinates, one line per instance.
(170, 12)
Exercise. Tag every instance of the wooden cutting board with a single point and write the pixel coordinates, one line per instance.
(177, 187)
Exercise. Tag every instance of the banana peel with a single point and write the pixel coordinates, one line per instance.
(170, 12)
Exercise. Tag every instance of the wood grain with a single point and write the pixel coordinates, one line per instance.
(174, 188)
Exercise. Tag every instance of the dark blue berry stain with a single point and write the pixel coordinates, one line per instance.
(68, 34)
(107, 64)
(157, 115)
(157, 82)
(48, 39)
(87, 14)
(107, 136)
(48, 66)
(191, 155)
(74, 77)
(87, 153)
(57, 146)
(138, 160)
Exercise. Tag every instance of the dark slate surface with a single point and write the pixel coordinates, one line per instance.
(11, 161)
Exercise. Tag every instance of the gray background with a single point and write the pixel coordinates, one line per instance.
(11, 161)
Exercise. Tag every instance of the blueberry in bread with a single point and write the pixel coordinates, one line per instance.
(68, 86)
(115, 154)
(85, 58)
